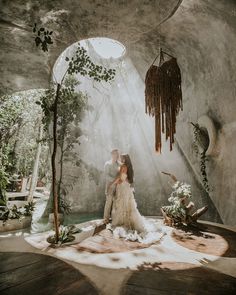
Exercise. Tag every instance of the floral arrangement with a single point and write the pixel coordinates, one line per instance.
(178, 208)
(15, 212)
(181, 190)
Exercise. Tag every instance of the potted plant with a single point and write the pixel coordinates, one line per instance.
(13, 218)
(66, 235)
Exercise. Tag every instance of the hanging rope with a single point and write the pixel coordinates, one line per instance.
(163, 97)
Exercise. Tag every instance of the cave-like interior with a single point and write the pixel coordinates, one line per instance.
(96, 117)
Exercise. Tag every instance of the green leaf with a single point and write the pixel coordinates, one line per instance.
(37, 41)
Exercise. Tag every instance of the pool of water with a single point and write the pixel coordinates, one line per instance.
(41, 224)
(75, 218)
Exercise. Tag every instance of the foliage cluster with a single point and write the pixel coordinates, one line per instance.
(200, 145)
(15, 212)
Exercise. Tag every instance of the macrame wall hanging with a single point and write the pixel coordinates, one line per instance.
(163, 96)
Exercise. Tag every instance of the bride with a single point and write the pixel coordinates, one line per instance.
(127, 222)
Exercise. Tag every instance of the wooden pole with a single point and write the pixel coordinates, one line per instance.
(53, 160)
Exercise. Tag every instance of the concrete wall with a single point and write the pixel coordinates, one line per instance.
(200, 33)
(202, 36)
(118, 119)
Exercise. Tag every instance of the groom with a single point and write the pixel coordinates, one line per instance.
(111, 172)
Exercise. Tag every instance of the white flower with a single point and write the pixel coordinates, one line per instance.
(181, 189)
(21, 210)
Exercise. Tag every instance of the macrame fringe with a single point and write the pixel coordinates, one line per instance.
(163, 98)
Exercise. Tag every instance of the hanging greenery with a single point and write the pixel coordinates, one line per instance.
(201, 141)
(163, 97)
(43, 37)
(203, 160)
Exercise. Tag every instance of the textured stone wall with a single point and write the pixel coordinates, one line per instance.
(201, 34)
(117, 119)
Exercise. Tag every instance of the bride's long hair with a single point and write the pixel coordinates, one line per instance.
(128, 164)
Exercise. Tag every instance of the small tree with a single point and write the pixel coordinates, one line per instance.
(73, 105)
(82, 64)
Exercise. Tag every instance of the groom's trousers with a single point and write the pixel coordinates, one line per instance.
(108, 206)
(110, 194)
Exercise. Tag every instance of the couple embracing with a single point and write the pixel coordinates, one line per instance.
(121, 207)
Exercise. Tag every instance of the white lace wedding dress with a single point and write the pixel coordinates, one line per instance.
(127, 222)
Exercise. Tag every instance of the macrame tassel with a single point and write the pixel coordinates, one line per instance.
(163, 98)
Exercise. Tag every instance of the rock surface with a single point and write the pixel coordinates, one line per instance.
(201, 34)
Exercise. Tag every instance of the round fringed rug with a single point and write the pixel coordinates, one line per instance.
(104, 242)
(208, 239)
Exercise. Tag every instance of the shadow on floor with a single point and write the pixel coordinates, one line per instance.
(37, 274)
(165, 279)
(207, 239)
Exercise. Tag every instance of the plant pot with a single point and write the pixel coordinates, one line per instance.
(208, 140)
(15, 224)
(84, 234)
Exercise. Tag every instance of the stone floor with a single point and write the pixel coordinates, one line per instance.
(183, 262)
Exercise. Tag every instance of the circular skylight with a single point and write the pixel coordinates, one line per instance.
(105, 50)
(105, 47)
